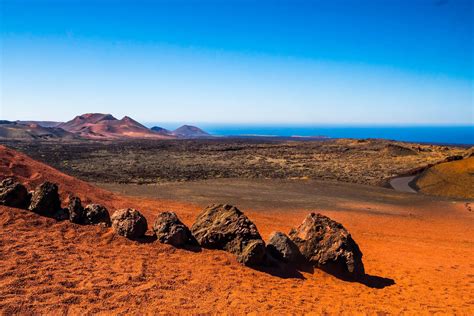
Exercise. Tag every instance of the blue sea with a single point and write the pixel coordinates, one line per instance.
(460, 135)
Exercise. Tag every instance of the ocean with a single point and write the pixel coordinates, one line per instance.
(460, 135)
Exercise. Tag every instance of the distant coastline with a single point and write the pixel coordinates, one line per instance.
(449, 135)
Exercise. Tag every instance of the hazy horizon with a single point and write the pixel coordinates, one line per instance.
(240, 62)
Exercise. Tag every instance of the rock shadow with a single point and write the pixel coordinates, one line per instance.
(372, 281)
(147, 239)
(376, 282)
(192, 247)
(283, 271)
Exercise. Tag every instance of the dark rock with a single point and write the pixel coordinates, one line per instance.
(96, 214)
(13, 194)
(453, 158)
(226, 227)
(45, 199)
(61, 214)
(129, 223)
(76, 211)
(170, 230)
(253, 253)
(327, 244)
(281, 247)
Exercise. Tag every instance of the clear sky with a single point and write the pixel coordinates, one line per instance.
(343, 62)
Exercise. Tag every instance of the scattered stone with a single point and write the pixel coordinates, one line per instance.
(13, 194)
(327, 244)
(76, 211)
(45, 200)
(226, 227)
(96, 214)
(281, 247)
(129, 223)
(170, 230)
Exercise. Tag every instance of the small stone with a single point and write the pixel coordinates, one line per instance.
(96, 214)
(14, 194)
(327, 244)
(170, 230)
(129, 223)
(281, 247)
(76, 211)
(45, 200)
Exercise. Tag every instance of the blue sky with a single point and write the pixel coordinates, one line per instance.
(292, 62)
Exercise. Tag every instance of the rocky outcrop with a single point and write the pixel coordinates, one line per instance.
(96, 214)
(327, 244)
(45, 199)
(226, 227)
(13, 194)
(129, 223)
(398, 150)
(281, 247)
(76, 211)
(170, 230)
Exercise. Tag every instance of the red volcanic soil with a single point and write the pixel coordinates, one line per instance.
(105, 126)
(419, 260)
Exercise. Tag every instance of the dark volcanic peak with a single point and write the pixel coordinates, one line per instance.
(188, 131)
(161, 130)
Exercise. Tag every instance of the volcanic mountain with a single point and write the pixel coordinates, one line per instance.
(185, 131)
(105, 126)
(188, 131)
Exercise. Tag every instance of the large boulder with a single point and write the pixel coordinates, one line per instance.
(45, 199)
(129, 223)
(170, 230)
(13, 194)
(281, 247)
(328, 245)
(226, 227)
(96, 214)
(76, 211)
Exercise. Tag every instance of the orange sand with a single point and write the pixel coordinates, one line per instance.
(59, 267)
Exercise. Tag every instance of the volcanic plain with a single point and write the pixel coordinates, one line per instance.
(417, 248)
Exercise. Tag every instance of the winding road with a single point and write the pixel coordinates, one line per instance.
(402, 184)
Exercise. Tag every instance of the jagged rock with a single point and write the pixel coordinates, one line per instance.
(129, 223)
(96, 214)
(226, 227)
(76, 211)
(327, 244)
(45, 199)
(281, 247)
(253, 253)
(13, 194)
(170, 230)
